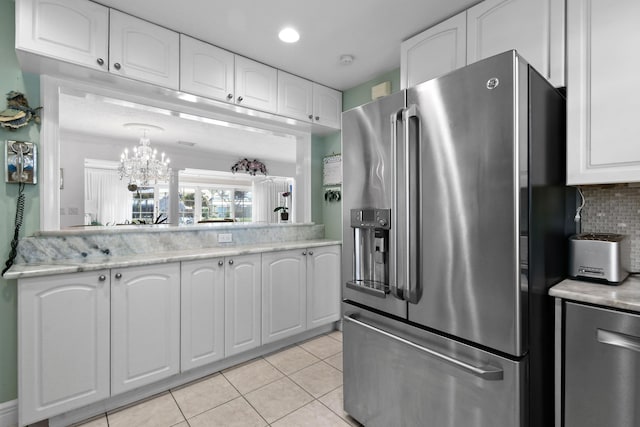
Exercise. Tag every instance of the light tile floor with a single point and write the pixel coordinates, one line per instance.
(298, 386)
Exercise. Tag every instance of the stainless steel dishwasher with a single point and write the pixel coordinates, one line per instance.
(601, 367)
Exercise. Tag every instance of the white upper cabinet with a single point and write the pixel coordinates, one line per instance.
(435, 51)
(256, 85)
(295, 97)
(535, 28)
(327, 106)
(202, 312)
(145, 325)
(143, 51)
(69, 30)
(206, 70)
(63, 348)
(603, 105)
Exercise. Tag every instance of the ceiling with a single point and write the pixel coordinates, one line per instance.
(369, 30)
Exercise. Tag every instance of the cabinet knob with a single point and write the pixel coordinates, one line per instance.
(240, 99)
(102, 277)
(100, 61)
(310, 116)
(118, 275)
(230, 96)
(317, 118)
(304, 253)
(220, 263)
(230, 262)
(310, 252)
(117, 66)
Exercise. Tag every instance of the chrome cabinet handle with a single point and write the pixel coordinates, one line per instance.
(317, 118)
(240, 99)
(310, 252)
(304, 253)
(118, 275)
(117, 66)
(230, 262)
(618, 339)
(488, 373)
(102, 278)
(100, 61)
(220, 263)
(229, 96)
(310, 116)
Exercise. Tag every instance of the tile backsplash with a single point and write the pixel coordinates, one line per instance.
(614, 209)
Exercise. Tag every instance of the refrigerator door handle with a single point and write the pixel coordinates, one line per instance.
(395, 286)
(488, 373)
(412, 203)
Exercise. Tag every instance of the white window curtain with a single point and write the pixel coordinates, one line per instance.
(107, 199)
(267, 196)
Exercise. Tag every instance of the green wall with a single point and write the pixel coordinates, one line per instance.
(12, 78)
(361, 94)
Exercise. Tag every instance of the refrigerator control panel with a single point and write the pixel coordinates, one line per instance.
(371, 218)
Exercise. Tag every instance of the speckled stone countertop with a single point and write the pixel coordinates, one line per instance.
(625, 296)
(20, 271)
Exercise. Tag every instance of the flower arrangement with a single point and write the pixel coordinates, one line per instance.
(251, 167)
(284, 209)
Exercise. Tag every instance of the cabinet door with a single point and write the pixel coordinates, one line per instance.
(242, 303)
(535, 28)
(205, 69)
(295, 96)
(602, 103)
(327, 106)
(601, 367)
(145, 325)
(69, 30)
(435, 51)
(323, 285)
(202, 312)
(143, 51)
(256, 85)
(64, 343)
(284, 294)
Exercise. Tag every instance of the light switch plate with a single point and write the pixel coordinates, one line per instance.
(225, 238)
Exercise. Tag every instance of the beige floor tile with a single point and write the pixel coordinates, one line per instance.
(204, 395)
(237, 413)
(335, 361)
(322, 347)
(182, 424)
(336, 335)
(161, 411)
(100, 421)
(318, 379)
(314, 414)
(334, 400)
(292, 359)
(252, 375)
(278, 399)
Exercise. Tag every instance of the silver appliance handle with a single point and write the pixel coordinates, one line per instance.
(617, 339)
(411, 208)
(394, 287)
(486, 373)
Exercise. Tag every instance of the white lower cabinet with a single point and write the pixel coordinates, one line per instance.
(242, 303)
(145, 325)
(323, 285)
(284, 294)
(63, 346)
(202, 312)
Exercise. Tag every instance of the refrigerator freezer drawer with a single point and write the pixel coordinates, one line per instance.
(396, 374)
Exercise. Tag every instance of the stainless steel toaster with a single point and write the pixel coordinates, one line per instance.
(604, 257)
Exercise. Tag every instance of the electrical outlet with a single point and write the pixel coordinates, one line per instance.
(225, 238)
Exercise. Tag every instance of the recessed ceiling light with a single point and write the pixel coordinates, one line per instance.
(289, 35)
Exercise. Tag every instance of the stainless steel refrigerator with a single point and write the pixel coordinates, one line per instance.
(455, 222)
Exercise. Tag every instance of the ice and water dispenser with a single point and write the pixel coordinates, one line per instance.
(371, 250)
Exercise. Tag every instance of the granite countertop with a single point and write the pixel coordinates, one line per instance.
(625, 296)
(21, 271)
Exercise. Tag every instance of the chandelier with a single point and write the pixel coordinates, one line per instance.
(142, 166)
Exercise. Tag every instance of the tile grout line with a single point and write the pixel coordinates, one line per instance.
(179, 408)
